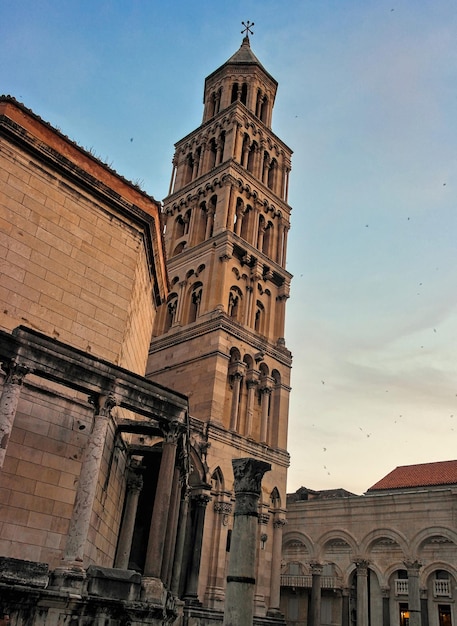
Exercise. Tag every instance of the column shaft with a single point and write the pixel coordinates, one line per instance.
(8, 404)
(275, 575)
(239, 597)
(87, 484)
(414, 603)
(134, 486)
(362, 593)
(316, 572)
(158, 529)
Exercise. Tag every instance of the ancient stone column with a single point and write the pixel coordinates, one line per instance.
(200, 502)
(362, 592)
(87, 483)
(385, 592)
(239, 596)
(316, 573)
(134, 486)
(158, 529)
(180, 542)
(345, 607)
(9, 399)
(414, 603)
(275, 575)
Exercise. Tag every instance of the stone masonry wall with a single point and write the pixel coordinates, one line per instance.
(69, 267)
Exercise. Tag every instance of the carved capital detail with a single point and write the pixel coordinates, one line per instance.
(248, 474)
(15, 372)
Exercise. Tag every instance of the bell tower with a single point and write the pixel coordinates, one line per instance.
(219, 339)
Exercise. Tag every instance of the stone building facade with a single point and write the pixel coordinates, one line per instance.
(387, 558)
(116, 479)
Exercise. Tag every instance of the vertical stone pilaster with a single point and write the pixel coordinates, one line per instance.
(414, 603)
(316, 574)
(275, 576)
(239, 597)
(134, 487)
(180, 542)
(87, 484)
(15, 374)
(200, 502)
(362, 592)
(345, 607)
(158, 529)
(385, 593)
(265, 390)
(251, 384)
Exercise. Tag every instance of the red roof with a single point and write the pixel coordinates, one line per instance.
(423, 475)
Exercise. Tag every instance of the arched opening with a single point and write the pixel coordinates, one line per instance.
(244, 93)
(251, 156)
(172, 306)
(179, 248)
(234, 96)
(212, 154)
(234, 303)
(195, 301)
(188, 169)
(259, 321)
(267, 239)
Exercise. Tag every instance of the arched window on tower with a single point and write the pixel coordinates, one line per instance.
(244, 93)
(247, 217)
(210, 216)
(267, 239)
(272, 174)
(264, 110)
(195, 301)
(212, 154)
(251, 157)
(273, 434)
(189, 168)
(221, 147)
(180, 227)
(172, 306)
(234, 96)
(234, 303)
(259, 320)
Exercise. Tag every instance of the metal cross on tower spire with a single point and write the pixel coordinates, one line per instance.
(247, 28)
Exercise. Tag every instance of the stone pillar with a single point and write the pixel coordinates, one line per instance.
(362, 592)
(236, 377)
(275, 575)
(315, 612)
(180, 542)
(239, 597)
(200, 501)
(251, 384)
(265, 390)
(172, 525)
(414, 603)
(9, 399)
(158, 529)
(87, 484)
(345, 607)
(385, 592)
(134, 486)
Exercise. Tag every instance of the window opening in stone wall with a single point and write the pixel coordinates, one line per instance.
(404, 614)
(234, 96)
(212, 154)
(172, 306)
(244, 93)
(444, 615)
(195, 301)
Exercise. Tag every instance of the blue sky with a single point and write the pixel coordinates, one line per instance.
(367, 100)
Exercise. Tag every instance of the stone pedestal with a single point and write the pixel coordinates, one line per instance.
(239, 596)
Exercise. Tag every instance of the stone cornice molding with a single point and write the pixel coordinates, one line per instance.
(220, 321)
(58, 362)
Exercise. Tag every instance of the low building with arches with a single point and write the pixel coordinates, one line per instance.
(386, 558)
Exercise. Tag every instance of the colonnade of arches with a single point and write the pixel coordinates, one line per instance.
(257, 99)
(261, 226)
(254, 395)
(384, 578)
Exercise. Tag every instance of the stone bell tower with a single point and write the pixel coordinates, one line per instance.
(220, 337)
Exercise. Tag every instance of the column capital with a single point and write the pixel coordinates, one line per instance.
(279, 523)
(171, 431)
(15, 372)
(362, 566)
(413, 566)
(316, 568)
(248, 474)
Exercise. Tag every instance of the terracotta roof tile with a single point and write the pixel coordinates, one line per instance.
(422, 475)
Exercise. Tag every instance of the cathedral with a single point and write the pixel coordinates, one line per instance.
(142, 353)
